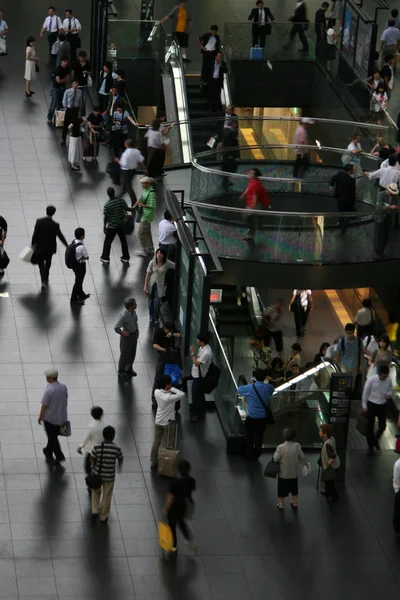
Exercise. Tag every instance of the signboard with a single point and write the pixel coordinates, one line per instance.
(339, 414)
(363, 49)
(349, 34)
(215, 296)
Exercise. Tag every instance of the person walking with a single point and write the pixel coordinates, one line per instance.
(72, 102)
(52, 24)
(328, 461)
(164, 341)
(365, 319)
(396, 509)
(302, 154)
(131, 160)
(300, 21)
(229, 150)
(260, 27)
(210, 44)
(60, 80)
(390, 40)
(214, 80)
(353, 154)
(257, 394)
(114, 213)
(53, 413)
(128, 330)
(147, 203)
(154, 283)
(155, 149)
(3, 235)
(181, 27)
(202, 359)
(320, 30)
(255, 193)
(93, 436)
(289, 455)
(64, 50)
(44, 241)
(178, 497)
(377, 391)
(166, 397)
(350, 352)
(31, 65)
(103, 458)
(72, 28)
(300, 305)
(344, 186)
(272, 317)
(78, 296)
(166, 231)
(385, 206)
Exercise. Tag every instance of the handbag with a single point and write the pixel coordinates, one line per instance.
(128, 224)
(269, 417)
(272, 469)
(4, 259)
(212, 141)
(65, 429)
(27, 253)
(165, 537)
(93, 480)
(139, 214)
(306, 470)
(210, 381)
(296, 304)
(59, 117)
(362, 423)
(37, 68)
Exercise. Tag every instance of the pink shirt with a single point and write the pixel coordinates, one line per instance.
(301, 138)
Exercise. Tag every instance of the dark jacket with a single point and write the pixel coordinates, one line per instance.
(253, 16)
(45, 235)
(345, 187)
(230, 140)
(209, 73)
(300, 14)
(109, 81)
(320, 24)
(203, 39)
(64, 51)
(118, 101)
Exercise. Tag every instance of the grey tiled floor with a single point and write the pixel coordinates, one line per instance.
(48, 549)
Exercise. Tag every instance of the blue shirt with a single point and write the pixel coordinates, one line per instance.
(255, 407)
(351, 354)
(55, 399)
(390, 36)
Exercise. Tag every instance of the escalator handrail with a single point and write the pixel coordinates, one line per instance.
(183, 122)
(227, 365)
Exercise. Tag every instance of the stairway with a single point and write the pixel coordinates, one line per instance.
(197, 104)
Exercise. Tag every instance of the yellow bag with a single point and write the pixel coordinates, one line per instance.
(165, 537)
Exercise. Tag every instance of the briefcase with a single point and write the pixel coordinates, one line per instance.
(362, 424)
(256, 53)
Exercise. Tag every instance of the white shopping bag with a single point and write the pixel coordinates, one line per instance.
(3, 46)
(27, 253)
(211, 142)
(306, 470)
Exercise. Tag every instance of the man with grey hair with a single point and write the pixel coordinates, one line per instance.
(127, 329)
(53, 414)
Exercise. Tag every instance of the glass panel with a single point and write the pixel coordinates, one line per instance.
(183, 289)
(197, 298)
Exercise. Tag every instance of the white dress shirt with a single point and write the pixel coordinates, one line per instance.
(81, 251)
(364, 316)
(72, 98)
(155, 139)
(166, 230)
(396, 476)
(94, 435)
(386, 175)
(52, 24)
(211, 44)
(130, 160)
(390, 36)
(377, 390)
(74, 25)
(204, 356)
(166, 405)
(385, 164)
(261, 16)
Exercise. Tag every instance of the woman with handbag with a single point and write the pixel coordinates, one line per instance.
(289, 455)
(154, 282)
(31, 66)
(75, 149)
(329, 461)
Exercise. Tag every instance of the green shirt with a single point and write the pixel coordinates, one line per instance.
(149, 199)
(114, 212)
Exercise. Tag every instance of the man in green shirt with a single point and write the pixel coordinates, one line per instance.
(147, 203)
(114, 213)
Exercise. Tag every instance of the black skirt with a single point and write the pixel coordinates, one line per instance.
(287, 486)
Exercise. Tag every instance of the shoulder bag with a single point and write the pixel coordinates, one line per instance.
(268, 410)
(93, 480)
(210, 381)
(272, 469)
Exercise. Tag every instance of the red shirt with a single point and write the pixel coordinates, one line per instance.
(255, 187)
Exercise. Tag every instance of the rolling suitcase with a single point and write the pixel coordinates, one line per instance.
(256, 53)
(168, 455)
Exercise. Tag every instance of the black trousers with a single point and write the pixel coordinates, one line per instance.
(396, 513)
(302, 163)
(53, 445)
(173, 521)
(87, 463)
(299, 30)
(77, 290)
(52, 38)
(214, 95)
(198, 406)
(259, 33)
(381, 237)
(254, 429)
(375, 411)
(344, 207)
(207, 58)
(330, 489)
(110, 235)
(67, 121)
(44, 261)
(229, 165)
(300, 320)
(276, 336)
(127, 179)
(160, 367)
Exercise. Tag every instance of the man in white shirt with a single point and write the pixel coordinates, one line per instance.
(166, 397)
(78, 296)
(390, 40)
(377, 391)
(396, 487)
(166, 230)
(93, 436)
(72, 28)
(131, 159)
(388, 174)
(52, 24)
(201, 363)
(210, 45)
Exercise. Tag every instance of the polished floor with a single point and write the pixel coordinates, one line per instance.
(48, 549)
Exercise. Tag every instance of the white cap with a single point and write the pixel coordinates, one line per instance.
(53, 373)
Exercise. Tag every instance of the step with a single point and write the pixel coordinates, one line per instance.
(234, 331)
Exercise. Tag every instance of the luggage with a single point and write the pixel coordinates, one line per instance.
(362, 424)
(168, 455)
(174, 371)
(90, 150)
(256, 53)
(59, 117)
(165, 537)
(129, 224)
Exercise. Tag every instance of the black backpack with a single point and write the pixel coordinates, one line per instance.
(210, 381)
(70, 255)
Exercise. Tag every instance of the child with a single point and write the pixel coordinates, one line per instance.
(94, 435)
(379, 103)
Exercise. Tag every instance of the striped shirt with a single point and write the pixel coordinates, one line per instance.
(272, 316)
(55, 399)
(149, 200)
(111, 453)
(114, 212)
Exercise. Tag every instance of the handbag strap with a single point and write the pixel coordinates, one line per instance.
(259, 397)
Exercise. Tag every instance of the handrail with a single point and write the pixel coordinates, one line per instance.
(222, 350)
(185, 109)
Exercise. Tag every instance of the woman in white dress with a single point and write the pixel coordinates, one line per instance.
(30, 65)
(75, 142)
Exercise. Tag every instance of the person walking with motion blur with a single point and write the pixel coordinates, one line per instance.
(377, 391)
(104, 457)
(182, 26)
(396, 511)
(93, 436)
(300, 305)
(53, 414)
(147, 205)
(302, 154)
(179, 502)
(289, 455)
(344, 186)
(299, 20)
(255, 193)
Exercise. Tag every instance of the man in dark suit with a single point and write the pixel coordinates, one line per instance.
(44, 240)
(214, 81)
(230, 141)
(344, 185)
(320, 28)
(260, 27)
(210, 44)
(114, 101)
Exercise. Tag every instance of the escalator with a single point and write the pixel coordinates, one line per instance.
(233, 316)
(198, 109)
